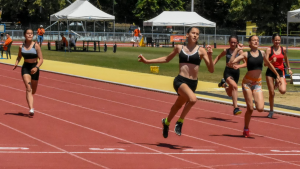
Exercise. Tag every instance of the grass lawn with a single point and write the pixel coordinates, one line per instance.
(126, 59)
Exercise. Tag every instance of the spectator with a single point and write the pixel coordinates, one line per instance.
(72, 41)
(1, 39)
(136, 33)
(40, 35)
(7, 42)
(64, 41)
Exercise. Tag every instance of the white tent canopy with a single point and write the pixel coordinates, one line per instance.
(81, 10)
(292, 17)
(179, 18)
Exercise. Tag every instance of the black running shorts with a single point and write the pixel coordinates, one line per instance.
(180, 79)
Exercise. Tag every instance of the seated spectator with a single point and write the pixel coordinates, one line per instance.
(7, 42)
(64, 41)
(1, 37)
(72, 41)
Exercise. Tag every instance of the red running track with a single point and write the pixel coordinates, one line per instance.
(80, 123)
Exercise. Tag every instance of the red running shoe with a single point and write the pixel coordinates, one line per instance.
(246, 133)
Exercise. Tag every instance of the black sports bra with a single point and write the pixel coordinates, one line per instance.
(255, 63)
(29, 54)
(193, 59)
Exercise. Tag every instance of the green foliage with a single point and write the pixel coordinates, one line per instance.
(147, 9)
(269, 15)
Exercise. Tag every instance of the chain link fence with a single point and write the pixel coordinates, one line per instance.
(127, 37)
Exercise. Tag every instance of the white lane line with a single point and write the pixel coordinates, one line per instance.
(51, 145)
(135, 122)
(14, 148)
(78, 125)
(147, 110)
(145, 153)
(248, 164)
(159, 112)
(193, 150)
(286, 151)
(107, 149)
(153, 100)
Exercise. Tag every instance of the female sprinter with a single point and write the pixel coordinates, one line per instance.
(275, 55)
(231, 74)
(185, 83)
(251, 84)
(33, 59)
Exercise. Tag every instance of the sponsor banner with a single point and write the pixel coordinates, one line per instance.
(177, 38)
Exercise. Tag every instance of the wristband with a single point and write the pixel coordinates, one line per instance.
(37, 67)
(289, 68)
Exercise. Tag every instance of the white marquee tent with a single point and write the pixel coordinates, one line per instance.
(81, 10)
(179, 18)
(292, 17)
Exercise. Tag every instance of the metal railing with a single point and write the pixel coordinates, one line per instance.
(127, 37)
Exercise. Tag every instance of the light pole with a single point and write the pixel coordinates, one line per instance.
(192, 6)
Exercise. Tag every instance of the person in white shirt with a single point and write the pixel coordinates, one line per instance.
(72, 42)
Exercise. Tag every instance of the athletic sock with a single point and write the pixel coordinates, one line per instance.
(180, 120)
(246, 129)
(166, 122)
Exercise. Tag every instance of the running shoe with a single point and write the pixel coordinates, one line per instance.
(165, 129)
(237, 111)
(221, 83)
(31, 112)
(246, 133)
(270, 114)
(178, 127)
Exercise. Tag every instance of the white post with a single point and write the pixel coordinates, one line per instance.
(152, 32)
(215, 43)
(58, 29)
(184, 30)
(204, 34)
(68, 35)
(104, 26)
(287, 34)
(192, 6)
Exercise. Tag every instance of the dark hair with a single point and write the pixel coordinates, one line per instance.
(233, 36)
(6, 33)
(274, 36)
(190, 28)
(250, 38)
(25, 31)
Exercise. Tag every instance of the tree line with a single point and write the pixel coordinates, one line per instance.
(270, 15)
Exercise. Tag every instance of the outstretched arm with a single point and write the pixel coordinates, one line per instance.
(207, 56)
(164, 59)
(220, 56)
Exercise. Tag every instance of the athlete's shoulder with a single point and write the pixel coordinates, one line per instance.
(262, 52)
(284, 48)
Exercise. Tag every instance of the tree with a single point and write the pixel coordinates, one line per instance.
(147, 9)
(269, 15)
(27, 11)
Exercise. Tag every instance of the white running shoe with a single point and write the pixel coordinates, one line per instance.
(31, 112)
